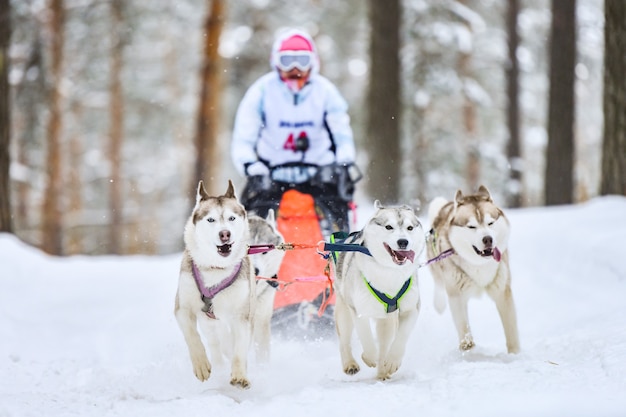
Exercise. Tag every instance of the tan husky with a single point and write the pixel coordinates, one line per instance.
(477, 231)
(216, 287)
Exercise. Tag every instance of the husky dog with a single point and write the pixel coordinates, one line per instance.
(216, 287)
(477, 230)
(381, 287)
(266, 266)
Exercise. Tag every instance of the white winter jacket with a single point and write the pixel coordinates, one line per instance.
(271, 117)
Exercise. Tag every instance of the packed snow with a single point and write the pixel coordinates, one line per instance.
(96, 336)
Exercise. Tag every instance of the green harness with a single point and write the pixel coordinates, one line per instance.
(390, 304)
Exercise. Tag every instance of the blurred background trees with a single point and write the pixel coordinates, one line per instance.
(208, 154)
(117, 108)
(513, 188)
(559, 188)
(614, 99)
(6, 224)
(383, 102)
(51, 211)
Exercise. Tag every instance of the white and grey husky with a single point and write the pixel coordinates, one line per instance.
(216, 287)
(380, 287)
(477, 230)
(266, 266)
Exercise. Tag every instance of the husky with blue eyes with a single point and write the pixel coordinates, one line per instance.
(377, 290)
(216, 286)
(476, 231)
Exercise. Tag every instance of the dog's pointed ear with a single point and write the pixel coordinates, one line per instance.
(378, 205)
(230, 192)
(458, 198)
(484, 193)
(271, 218)
(201, 193)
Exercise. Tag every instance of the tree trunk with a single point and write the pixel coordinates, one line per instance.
(172, 58)
(513, 150)
(383, 102)
(614, 144)
(74, 234)
(52, 240)
(116, 126)
(559, 179)
(6, 224)
(29, 99)
(208, 163)
(472, 167)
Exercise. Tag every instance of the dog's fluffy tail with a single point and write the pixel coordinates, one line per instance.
(435, 207)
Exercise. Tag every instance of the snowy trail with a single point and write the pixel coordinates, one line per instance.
(96, 336)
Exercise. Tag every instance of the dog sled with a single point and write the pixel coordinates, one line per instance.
(306, 214)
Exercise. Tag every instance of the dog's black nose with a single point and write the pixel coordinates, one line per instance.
(488, 241)
(403, 243)
(224, 235)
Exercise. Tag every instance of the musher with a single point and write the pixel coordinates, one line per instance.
(292, 131)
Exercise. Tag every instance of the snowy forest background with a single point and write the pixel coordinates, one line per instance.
(106, 99)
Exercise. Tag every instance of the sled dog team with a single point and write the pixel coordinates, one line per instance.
(376, 291)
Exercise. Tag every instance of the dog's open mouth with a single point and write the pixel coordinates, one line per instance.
(224, 250)
(489, 252)
(400, 256)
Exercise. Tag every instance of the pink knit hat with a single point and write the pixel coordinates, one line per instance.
(295, 43)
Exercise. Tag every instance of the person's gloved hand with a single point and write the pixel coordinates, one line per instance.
(257, 168)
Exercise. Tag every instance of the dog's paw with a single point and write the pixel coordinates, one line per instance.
(388, 368)
(514, 349)
(467, 343)
(351, 368)
(381, 375)
(368, 361)
(240, 382)
(202, 369)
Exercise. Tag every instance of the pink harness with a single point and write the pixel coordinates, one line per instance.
(209, 293)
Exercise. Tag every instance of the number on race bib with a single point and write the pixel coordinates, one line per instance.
(295, 145)
(290, 143)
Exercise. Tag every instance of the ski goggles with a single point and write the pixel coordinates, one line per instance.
(288, 60)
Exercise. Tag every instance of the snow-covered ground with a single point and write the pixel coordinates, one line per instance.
(96, 336)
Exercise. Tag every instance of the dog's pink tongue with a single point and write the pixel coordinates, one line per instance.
(409, 254)
(496, 254)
